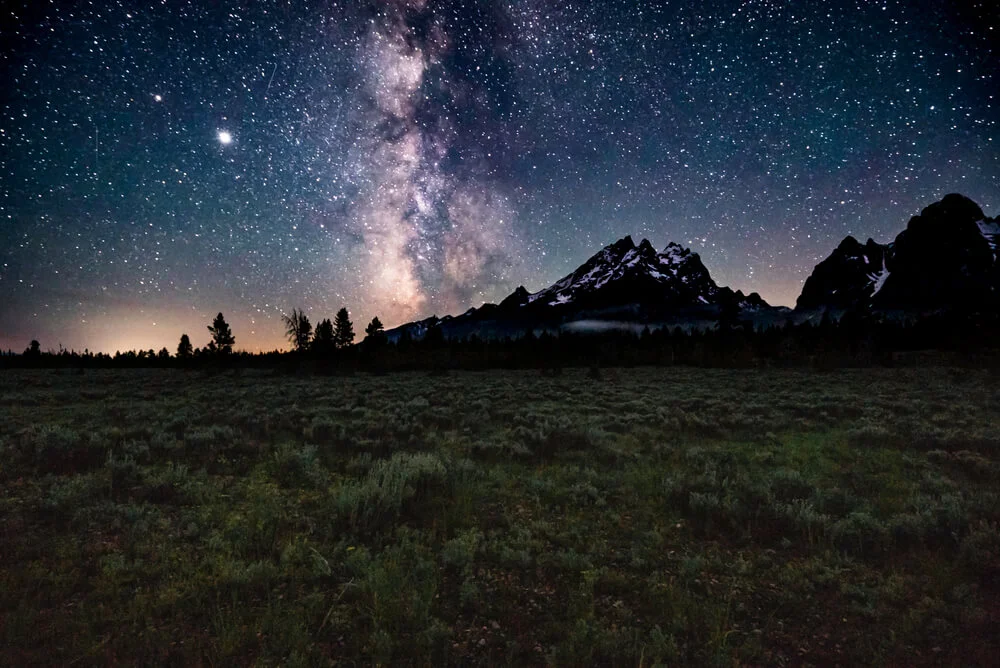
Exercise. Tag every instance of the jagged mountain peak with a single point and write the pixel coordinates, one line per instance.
(849, 244)
(520, 291)
(624, 282)
(624, 273)
(673, 253)
(943, 259)
(517, 298)
(950, 210)
(946, 256)
(624, 244)
(625, 270)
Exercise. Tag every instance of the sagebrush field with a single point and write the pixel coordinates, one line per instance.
(624, 517)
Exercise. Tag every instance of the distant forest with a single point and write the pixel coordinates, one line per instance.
(854, 339)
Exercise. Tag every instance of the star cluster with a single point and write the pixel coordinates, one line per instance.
(161, 162)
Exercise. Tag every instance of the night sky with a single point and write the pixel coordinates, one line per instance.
(164, 161)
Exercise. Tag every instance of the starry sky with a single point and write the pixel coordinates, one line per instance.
(164, 161)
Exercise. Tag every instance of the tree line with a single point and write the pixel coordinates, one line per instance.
(328, 338)
(854, 339)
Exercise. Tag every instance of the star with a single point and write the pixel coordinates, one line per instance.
(428, 155)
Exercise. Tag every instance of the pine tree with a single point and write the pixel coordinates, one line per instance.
(375, 331)
(299, 329)
(324, 342)
(343, 329)
(184, 350)
(222, 337)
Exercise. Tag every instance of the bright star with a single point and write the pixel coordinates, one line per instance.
(225, 137)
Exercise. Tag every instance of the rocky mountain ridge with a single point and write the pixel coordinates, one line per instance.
(946, 258)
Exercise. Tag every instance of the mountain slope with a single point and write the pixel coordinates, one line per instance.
(945, 258)
(622, 283)
(941, 260)
(624, 273)
(853, 274)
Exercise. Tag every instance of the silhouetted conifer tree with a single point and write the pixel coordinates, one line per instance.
(375, 330)
(184, 350)
(222, 337)
(324, 341)
(343, 329)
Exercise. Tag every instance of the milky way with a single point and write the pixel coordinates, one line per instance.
(162, 162)
(432, 233)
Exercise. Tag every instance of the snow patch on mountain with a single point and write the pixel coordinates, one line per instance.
(675, 275)
(878, 278)
(990, 229)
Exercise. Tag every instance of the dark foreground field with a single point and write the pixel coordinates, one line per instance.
(643, 516)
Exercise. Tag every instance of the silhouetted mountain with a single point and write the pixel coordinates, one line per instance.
(944, 259)
(851, 275)
(626, 274)
(622, 285)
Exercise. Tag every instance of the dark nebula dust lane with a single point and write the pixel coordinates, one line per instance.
(162, 163)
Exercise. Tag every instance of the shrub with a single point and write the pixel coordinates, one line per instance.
(57, 449)
(135, 520)
(908, 529)
(252, 529)
(788, 485)
(211, 438)
(871, 433)
(980, 549)
(405, 478)
(859, 533)
(67, 495)
(324, 431)
(552, 436)
(946, 517)
(499, 448)
(171, 483)
(803, 516)
(166, 442)
(177, 425)
(398, 589)
(461, 550)
(254, 579)
(971, 463)
(709, 510)
(586, 493)
(300, 556)
(124, 473)
(836, 501)
(298, 466)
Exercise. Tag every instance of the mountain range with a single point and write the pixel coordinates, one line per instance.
(946, 258)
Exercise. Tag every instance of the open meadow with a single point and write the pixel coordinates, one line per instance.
(622, 517)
